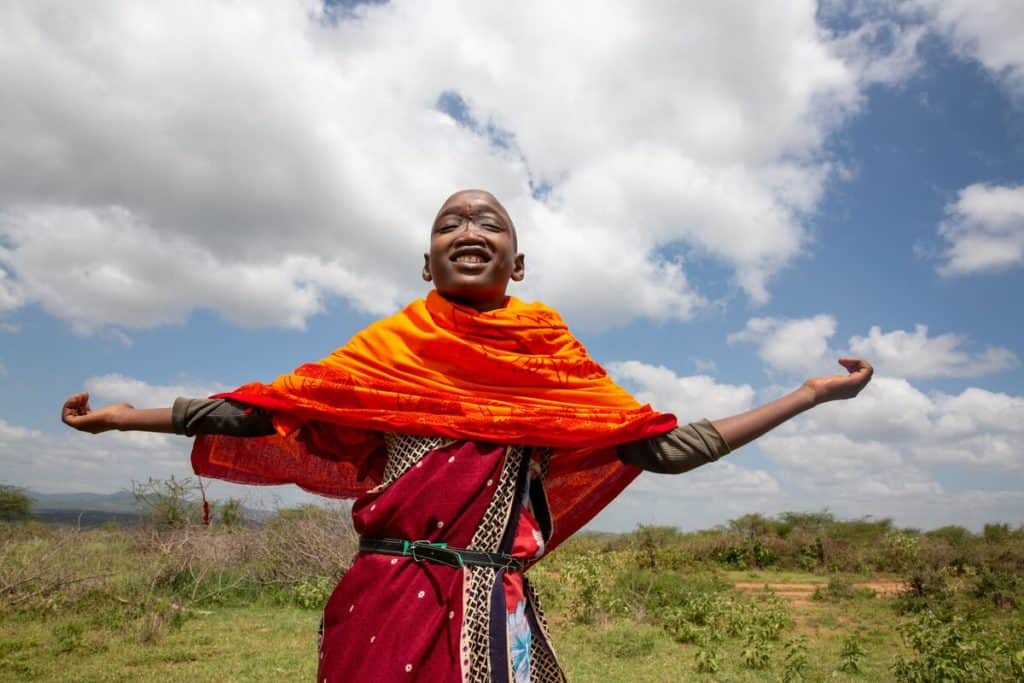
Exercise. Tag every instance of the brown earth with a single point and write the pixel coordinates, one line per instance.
(799, 594)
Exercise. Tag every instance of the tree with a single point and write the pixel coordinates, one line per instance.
(231, 514)
(15, 504)
(169, 503)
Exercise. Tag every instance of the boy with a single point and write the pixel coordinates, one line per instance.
(476, 435)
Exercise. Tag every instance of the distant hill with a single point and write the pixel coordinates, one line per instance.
(93, 509)
(122, 502)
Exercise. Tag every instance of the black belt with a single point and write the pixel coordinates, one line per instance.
(441, 553)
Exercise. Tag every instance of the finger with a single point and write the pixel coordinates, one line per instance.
(78, 404)
(857, 365)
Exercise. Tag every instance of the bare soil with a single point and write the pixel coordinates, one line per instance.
(799, 594)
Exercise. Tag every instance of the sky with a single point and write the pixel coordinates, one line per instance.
(720, 198)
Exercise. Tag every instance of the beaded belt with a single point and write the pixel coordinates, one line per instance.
(440, 553)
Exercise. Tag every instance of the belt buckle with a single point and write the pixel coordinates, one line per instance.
(439, 551)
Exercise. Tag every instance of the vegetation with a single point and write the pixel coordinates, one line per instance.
(176, 600)
(15, 504)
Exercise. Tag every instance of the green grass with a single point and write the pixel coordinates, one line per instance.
(102, 605)
(230, 644)
(278, 644)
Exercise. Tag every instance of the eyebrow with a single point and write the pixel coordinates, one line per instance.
(460, 212)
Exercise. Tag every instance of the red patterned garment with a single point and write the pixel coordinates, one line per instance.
(514, 375)
(395, 619)
(404, 417)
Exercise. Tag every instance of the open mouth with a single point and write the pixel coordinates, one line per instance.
(470, 257)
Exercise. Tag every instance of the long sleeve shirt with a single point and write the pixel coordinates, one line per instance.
(680, 450)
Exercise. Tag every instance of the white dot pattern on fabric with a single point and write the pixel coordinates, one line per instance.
(408, 668)
(373, 638)
(451, 615)
(419, 464)
(490, 482)
(440, 524)
(373, 507)
(451, 459)
(421, 594)
(351, 607)
(394, 560)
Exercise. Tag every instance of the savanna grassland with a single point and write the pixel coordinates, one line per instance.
(796, 597)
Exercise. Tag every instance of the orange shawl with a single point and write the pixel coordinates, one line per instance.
(514, 375)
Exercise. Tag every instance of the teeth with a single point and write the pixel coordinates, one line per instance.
(469, 258)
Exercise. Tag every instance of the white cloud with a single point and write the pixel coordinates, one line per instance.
(723, 479)
(888, 410)
(256, 162)
(914, 354)
(118, 388)
(791, 345)
(892, 419)
(882, 50)
(73, 461)
(704, 365)
(801, 346)
(986, 30)
(689, 398)
(10, 292)
(984, 230)
(870, 454)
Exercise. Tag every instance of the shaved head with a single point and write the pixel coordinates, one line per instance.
(464, 197)
(474, 251)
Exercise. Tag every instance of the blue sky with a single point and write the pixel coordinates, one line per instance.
(728, 206)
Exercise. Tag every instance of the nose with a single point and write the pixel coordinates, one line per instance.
(469, 231)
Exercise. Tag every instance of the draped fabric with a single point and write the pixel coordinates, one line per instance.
(514, 375)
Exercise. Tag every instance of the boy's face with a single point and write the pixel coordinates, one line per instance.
(473, 253)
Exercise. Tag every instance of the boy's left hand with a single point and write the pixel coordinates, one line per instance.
(839, 386)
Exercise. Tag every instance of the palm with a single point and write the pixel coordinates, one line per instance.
(77, 413)
(840, 386)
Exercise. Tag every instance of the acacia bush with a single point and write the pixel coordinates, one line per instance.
(818, 542)
(124, 573)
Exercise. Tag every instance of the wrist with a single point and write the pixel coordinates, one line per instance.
(807, 396)
(118, 419)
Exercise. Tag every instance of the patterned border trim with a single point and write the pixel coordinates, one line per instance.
(404, 451)
(475, 637)
(544, 666)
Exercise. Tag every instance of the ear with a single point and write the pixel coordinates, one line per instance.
(519, 269)
(426, 268)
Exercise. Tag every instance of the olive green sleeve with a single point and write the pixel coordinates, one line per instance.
(191, 416)
(678, 451)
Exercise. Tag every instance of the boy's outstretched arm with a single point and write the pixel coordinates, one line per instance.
(122, 416)
(188, 416)
(745, 427)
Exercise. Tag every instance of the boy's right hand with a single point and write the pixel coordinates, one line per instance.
(76, 413)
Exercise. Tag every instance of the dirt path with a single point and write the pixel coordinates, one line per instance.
(799, 594)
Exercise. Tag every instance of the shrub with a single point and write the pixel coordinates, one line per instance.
(305, 542)
(168, 503)
(585, 576)
(699, 616)
(851, 656)
(707, 660)
(230, 513)
(15, 504)
(927, 589)
(757, 652)
(999, 533)
(944, 650)
(956, 536)
(1003, 589)
(625, 642)
(794, 661)
(312, 593)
